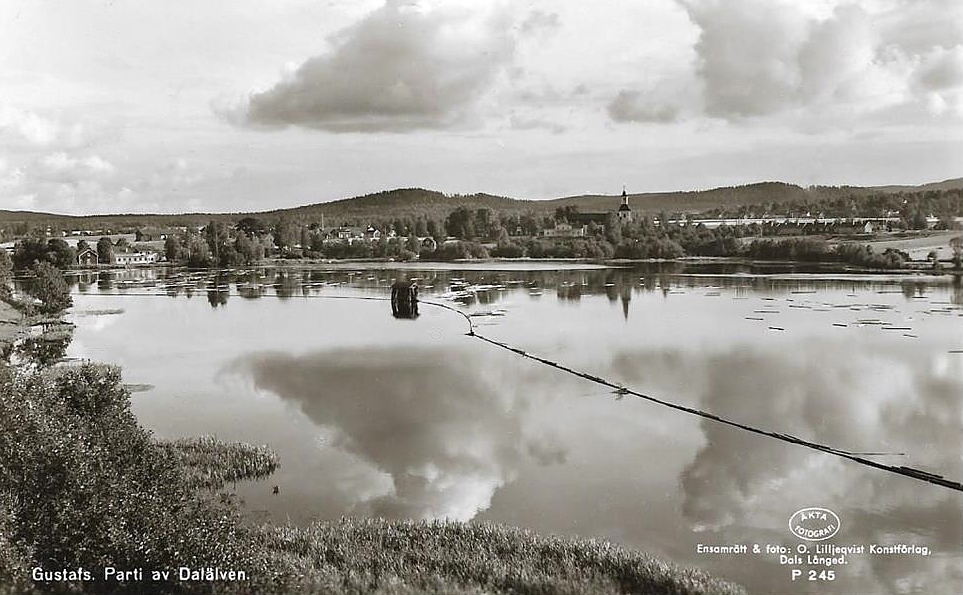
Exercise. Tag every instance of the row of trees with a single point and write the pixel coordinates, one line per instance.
(220, 244)
(57, 252)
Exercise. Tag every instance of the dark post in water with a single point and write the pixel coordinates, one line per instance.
(404, 299)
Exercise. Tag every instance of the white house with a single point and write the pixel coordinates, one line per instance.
(129, 258)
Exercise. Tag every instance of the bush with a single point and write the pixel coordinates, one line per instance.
(862, 255)
(85, 486)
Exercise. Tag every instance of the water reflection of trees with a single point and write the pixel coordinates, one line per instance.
(482, 287)
(46, 348)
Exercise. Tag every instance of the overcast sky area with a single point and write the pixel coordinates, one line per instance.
(172, 106)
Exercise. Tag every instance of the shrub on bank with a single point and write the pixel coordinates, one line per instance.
(85, 486)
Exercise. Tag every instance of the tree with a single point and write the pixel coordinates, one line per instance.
(413, 244)
(105, 251)
(198, 254)
(82, 245)
(434, 229)
(49, 287)
(956, 244)
(60, 254)
(249, 251)
(285, 234)
(6, 271)
(27, 252)
(421, 227)
(460, 223)
(251, 225)
(217, 236)
(174, 249)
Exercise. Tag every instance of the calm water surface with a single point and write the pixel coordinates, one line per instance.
(412, 419)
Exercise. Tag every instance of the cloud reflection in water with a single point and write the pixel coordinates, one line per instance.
(445, 425)
(841, 394)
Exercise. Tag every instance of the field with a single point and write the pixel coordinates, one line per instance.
(917, 245)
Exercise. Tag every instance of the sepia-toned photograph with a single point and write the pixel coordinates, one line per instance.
(481, 297)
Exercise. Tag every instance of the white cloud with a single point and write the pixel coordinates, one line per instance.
(404, 66)
(821, 66)
(23, 125)
(66, 167)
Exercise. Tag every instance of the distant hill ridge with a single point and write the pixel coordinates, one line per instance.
(403, 202)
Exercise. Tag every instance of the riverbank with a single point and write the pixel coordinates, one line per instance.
(354, 555)
(12, 326)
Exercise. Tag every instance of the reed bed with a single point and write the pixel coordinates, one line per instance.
(382, 556)
(210, 464)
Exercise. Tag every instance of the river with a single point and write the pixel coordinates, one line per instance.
(374, 415)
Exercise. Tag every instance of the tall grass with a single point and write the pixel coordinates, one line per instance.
(380, 556)
(209, 464)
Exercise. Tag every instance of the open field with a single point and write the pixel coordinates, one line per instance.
(918, 245)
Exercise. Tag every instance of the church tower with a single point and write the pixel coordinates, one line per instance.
(624, 213)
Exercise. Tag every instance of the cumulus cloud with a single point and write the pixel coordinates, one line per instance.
(448, 433)
(404, 66)
(39, 131)
(64, 166)
(27, 126)
(762, 58)
(78, 183)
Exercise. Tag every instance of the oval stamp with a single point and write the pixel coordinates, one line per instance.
(814, 524)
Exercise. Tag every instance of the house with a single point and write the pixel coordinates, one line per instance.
(345, 234)
(565, 230)
(429, 243)
(371, 234)
(87, 257)
(132, 258)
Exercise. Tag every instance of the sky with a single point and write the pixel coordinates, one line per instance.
(145, 106)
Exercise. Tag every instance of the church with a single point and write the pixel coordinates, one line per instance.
(624, 213)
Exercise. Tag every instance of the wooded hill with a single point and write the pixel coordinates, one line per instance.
(413, 202)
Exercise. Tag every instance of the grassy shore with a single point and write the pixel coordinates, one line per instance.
(380, 556)
(11, 326)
